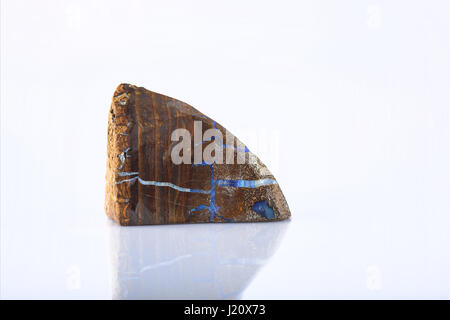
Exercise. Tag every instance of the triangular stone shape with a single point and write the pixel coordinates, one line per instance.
(169, 163)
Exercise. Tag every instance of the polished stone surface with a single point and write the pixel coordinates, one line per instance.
(145, 185)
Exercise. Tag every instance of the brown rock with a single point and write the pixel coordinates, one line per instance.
(144, 185)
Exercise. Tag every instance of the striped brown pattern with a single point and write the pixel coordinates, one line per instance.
(139, 147)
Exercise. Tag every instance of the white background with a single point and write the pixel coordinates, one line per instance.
(357, 92)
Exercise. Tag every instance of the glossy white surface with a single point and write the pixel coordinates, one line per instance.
(353, 97)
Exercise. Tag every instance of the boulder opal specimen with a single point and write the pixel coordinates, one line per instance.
(169, 163)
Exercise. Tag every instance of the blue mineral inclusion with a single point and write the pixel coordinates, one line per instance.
(263, 209)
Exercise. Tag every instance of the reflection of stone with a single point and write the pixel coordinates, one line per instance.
(145, 186)
(198, 261)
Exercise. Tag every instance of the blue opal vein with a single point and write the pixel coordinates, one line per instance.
(245, 183)
(124, 174)
(163, 184)
(171, 185)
